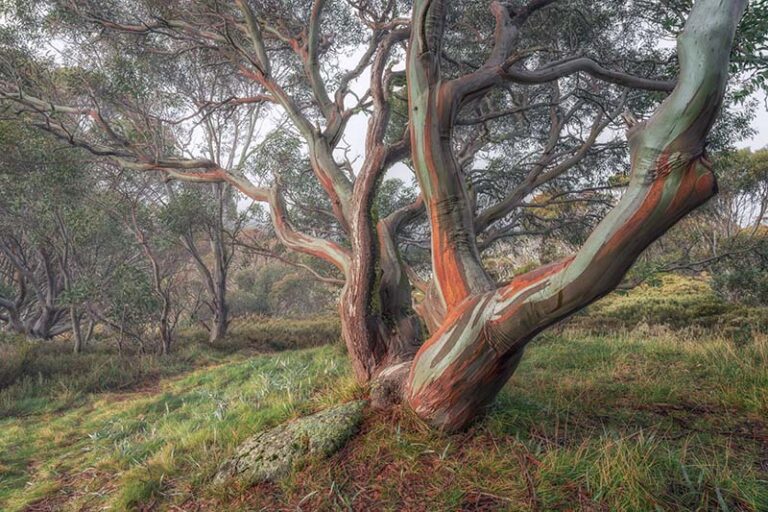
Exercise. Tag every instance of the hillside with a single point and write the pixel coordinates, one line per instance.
(627, 421)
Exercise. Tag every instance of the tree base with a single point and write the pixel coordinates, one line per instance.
(388, 388)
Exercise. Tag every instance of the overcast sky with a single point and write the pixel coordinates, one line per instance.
(760, 123)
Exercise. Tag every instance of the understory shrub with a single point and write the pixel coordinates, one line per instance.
(673, 301)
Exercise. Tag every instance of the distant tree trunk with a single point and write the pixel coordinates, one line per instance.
(470, 357)
(219, 271)
(166, 339)
(220, 320)
(12, 319)
(166, 329)
(89, 330)
(77, 335)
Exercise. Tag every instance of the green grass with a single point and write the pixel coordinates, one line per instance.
(45, 376)
(675, 302)
(282, 334)
(161, 444)
(620, 422)
(615, 423)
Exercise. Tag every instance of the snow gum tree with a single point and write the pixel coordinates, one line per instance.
(481, 339)
(420, 81)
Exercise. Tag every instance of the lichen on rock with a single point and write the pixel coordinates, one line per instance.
(270, 455)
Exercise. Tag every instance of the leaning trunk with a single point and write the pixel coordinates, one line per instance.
(462, 367)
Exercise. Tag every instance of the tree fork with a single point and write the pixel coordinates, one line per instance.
(463, 365)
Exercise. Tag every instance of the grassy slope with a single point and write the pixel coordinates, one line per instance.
(595, 423)
(653, 419)
(126, 449)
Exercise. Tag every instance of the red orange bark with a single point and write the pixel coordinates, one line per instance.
(482, 337)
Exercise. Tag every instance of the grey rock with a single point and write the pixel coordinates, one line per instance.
(270, 455)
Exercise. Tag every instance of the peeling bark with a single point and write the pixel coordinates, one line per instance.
(479, 330)
(461, 368)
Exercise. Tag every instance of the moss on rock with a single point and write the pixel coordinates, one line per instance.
(270, 455)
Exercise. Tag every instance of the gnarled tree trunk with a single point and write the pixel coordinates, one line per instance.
(479, 330)
(379, 325)
(467, 361)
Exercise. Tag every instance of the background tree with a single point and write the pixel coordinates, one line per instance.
(207, 225)
(54, 235)
(142, 208)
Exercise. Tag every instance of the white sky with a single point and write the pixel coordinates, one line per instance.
(760, 124)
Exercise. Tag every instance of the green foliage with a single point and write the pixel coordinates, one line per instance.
(743, 277)
(130, 296)
(726, 237)
(750, 57)
(743, 172)
(188, 211)
(275, 289)
(392, 194)
(40, 180)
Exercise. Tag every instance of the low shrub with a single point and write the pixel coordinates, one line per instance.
(673, 301)
(285, 333)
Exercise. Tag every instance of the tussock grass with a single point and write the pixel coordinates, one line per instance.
(635, 420)
(626, 422)
(160, 446)
(282, 334)
(676, 302)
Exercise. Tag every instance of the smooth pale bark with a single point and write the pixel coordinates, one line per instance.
(219, 269)
(467, 361)
(455, 256)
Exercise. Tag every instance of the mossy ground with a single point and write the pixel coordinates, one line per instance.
(626, 421)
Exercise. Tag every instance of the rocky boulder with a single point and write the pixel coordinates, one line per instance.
(270, 455)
